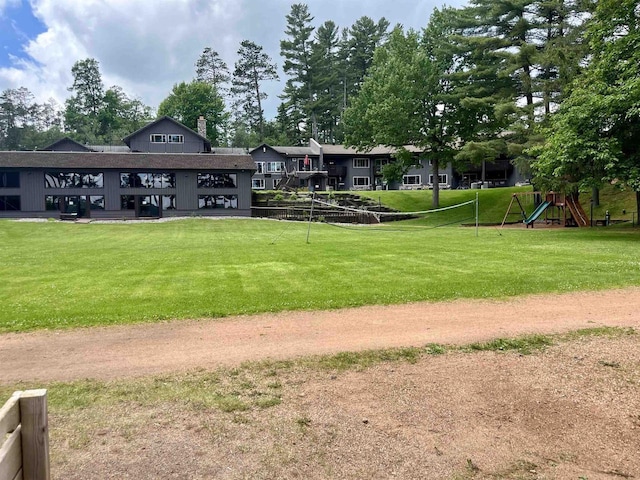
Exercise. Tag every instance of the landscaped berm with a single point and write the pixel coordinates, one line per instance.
(202, 348)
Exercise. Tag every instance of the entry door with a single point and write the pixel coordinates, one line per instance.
(148, 205)
(78, 205)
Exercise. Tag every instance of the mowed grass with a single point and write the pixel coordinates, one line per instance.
(58, 275)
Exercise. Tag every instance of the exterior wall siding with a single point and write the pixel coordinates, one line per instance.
(142, 141)
(32, 194)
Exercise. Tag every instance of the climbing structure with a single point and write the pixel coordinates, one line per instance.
(557, 208)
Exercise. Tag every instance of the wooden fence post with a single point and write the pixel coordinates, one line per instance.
(35, 435)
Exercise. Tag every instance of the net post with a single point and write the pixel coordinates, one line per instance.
(313, 201)
(477, 209)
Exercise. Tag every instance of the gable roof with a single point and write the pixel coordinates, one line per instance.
(66, 140)
(288, 151)
(175, 122)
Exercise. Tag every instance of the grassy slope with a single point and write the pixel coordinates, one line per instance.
(493, 202)
(57, 275)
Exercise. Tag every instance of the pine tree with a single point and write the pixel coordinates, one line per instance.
(297, 51)
(211, 69)
(253, 67)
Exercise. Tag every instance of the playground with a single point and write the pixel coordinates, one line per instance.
(548, 209)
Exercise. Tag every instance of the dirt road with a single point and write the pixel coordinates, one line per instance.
(129, 351)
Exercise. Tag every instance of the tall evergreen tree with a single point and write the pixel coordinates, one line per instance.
(210, 68)
(595, 135)
(299, 94)
(83, 107)
(325, 81)
(252, 68)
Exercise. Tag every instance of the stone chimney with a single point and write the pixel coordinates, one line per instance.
(202, 126)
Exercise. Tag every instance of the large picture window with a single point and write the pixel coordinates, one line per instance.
(9, 203)
(9, 180)
(217, 180)
(73, 180)
(443, 179)
(412, 180)
(206, 202)
(147, 180)
(361, 182)
(275, 167)
(128, 202)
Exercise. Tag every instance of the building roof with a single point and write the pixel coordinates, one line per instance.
(379, 150)
(230, 150)
(135, 161)
(289, 151)
(155, 122)
(295, 151)
(110, 148)
(67, 140)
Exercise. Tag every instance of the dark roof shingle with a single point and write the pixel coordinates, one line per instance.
(93, 160)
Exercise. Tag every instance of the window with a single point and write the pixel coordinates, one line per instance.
(9, 203)
(217, 180)
(173, 138)
(257, 183)
(442, 179)
(412, 180)
(73, 180)
(260, 167)
(361, 181)
(360, 163)
(147, 180)
(96, 202)
(168, 202)
(127, 202)
(273, 167)
(379, 163)
(217, 201)
(158, 138)
(9, 180)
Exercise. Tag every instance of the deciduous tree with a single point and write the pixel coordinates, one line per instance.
(187, 101)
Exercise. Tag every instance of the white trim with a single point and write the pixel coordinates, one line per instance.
(257, 183)
(405, 177)
(440, 177)
(271, 167)
(260, 168)
(175, 138)
(161, 138)
(359, 159)
(365, 186)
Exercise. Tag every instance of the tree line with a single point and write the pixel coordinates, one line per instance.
(551, 85)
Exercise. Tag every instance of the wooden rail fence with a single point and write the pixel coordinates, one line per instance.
(24, 437)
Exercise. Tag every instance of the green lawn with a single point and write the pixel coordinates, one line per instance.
(57, 275)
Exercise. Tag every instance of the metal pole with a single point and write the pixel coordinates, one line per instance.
(313, 197)
(477, 209)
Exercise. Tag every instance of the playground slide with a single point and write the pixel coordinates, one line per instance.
(577, 212)
(537, 212)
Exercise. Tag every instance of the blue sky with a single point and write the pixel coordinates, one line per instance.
(17, 26)
(146, 47)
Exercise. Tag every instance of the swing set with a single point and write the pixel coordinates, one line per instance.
(558, 208)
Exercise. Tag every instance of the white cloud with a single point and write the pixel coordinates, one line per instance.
(145, 48)
(4, 4)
